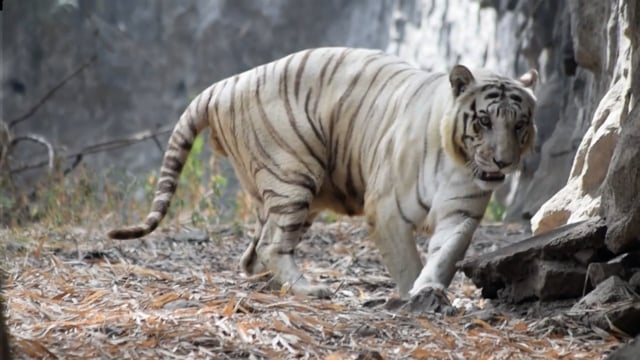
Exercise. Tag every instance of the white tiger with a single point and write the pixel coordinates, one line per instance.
(359, 132)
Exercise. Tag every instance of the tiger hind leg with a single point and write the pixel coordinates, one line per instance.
(282, 230)
(249, 261)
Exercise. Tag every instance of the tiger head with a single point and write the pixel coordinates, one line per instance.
(491, 123)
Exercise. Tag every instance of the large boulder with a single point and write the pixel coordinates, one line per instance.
(621, 188)
(607, 56)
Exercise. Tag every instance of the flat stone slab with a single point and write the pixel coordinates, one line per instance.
(548, 266)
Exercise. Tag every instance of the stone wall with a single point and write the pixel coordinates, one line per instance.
(601, 36)
(153, 57)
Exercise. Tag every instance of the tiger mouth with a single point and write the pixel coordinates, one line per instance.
(491, 176)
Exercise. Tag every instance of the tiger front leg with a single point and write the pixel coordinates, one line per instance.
(395, 240)
(447, 246)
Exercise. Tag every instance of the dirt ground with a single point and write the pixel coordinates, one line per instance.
(76, 295)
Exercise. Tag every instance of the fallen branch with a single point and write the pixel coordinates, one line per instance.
(53, 90)
(100, 147)
(40, 140)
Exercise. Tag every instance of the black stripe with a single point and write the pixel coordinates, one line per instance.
(160, 206)
(321, 85)
(471, 196)
(270, 193)
(301, 66)
(172, 162)
(311, 122)
(216, 126)
(304, 180)
(402, 215)
(291, 228)
(206, 113)
(421, 201)
(181, 141)
(515, 98)
(464, 214)
(293, 120)
(191, 125)
(491, 95)
(438, 160)
(343, 99)
(375, 99)
(339, 62)
(167, 186)
(350, 185)
(275, 134)
(152, 223)
(290, 208)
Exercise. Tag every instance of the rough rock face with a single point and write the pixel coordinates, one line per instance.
(616, 61)
(621, 188)
(607, 55)
(153, 57)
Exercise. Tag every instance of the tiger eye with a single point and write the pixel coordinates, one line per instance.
(485, 121)
(520, 125)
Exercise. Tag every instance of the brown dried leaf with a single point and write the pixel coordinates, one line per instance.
(337, 356)
(229, 309)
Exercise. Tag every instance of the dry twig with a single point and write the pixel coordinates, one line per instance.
(99, 147)
(39, 140)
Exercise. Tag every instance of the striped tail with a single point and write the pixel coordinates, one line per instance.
(192, 122)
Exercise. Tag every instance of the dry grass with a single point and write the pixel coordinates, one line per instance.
(74, 294)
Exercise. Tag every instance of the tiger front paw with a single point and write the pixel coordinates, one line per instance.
(425, 300)
(430, 299)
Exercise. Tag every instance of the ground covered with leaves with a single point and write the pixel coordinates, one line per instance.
(75, 294)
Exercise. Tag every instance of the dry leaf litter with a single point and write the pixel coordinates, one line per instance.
(77, 295)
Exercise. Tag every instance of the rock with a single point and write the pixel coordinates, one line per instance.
(574, 56)
(588, 18)
(623, 266)
(628, 351)
(580, 199)
(594, 186)
(541, 267)
(549, 280)
(634, 281)
(621, 191)
(612, 305)
(599, 272)
(621, 188)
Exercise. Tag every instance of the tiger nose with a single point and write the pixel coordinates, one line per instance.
(501, 164)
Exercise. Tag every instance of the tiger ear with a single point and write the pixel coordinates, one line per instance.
(460, 78)
(529, 79)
